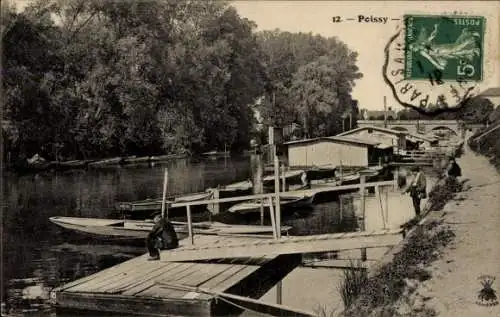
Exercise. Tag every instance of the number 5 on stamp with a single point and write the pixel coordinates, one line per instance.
(451, 44)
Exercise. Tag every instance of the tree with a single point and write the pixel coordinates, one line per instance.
(291, 59)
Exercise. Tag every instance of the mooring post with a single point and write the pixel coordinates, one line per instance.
(190, 224)
(395, 178)
(271, 215)
(386, 192)
(341, 203)
(164, 197)
(214, 208)
(278, 213)
(277, 192)
(363, 221)
(283, 177)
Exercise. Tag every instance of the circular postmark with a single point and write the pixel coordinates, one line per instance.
(435, 62)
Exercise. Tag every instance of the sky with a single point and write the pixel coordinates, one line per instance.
(368, 38)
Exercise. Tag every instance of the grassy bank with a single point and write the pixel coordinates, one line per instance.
(390, 291)
(487, 143)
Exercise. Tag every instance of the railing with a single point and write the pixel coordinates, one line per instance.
(277, 226)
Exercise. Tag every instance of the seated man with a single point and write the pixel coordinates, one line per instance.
(161, 237)
(453, 169)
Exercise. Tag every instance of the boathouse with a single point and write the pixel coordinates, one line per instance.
(388, 137)
(336, 151)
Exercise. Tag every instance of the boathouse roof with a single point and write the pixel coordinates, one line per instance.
(383, 130)
(335, 139)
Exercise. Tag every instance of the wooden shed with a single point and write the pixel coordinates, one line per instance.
(395, 138)
(332, 151)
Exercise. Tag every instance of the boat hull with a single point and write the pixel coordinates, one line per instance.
(148, 207)
(285, 203)
(138, 230)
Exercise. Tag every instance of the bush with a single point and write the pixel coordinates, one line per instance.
(354, 280)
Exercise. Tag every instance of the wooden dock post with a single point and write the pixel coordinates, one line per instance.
(164, 197)
(283, 177)
(386, 192)
(278, 213)
(363, 224)
(341, 205)
(190, 224)
(277, 192)
(271, 215)
(214, 208)
(395, 178)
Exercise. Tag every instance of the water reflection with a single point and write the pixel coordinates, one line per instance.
(38, 255)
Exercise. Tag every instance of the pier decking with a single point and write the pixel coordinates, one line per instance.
(218, 275)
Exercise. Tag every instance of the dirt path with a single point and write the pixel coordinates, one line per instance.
(475, 219)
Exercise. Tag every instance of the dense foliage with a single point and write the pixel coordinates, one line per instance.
(310, 81)
(99, 78)
(474, 110)
(487, 141)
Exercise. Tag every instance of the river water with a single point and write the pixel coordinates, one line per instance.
(38, 255)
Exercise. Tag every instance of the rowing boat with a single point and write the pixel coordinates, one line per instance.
(287, 203)
(153, 205)
(138, 229)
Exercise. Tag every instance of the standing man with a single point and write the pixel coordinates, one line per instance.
(417, 188)
(161, 237)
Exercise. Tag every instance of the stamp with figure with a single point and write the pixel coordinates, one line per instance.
(435, 62)
(451, 44)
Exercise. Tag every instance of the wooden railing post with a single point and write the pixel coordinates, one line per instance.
(190, 224)
(277, 193)
(363, 212)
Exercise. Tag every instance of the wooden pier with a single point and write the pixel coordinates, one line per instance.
(216, 275)
(191, 280)
(164, 288)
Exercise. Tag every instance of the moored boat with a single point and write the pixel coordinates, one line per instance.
(149, 206)
(136, 160)
(135, 229)
(106, 162)
(287, 203)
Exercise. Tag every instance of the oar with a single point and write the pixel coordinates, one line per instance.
(165, 183)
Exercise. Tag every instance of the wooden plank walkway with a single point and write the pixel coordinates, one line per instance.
(286, 245)
(142, 286)
(189, 281)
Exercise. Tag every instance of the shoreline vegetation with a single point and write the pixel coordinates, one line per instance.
(389, 290)
(97, 79)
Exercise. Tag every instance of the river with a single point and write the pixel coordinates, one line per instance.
(38, 255)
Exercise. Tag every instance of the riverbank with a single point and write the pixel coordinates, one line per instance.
(474, 217)
(439, 268)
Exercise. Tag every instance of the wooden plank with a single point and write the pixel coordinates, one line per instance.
(140, 287)
(309, 244)
(216, 280)
(236, 277)
(193, 276)
(171, 267)
(160, 291)
(204, 274)
(127, 304)
(281, 194)
(121, 279)
(109, 272)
